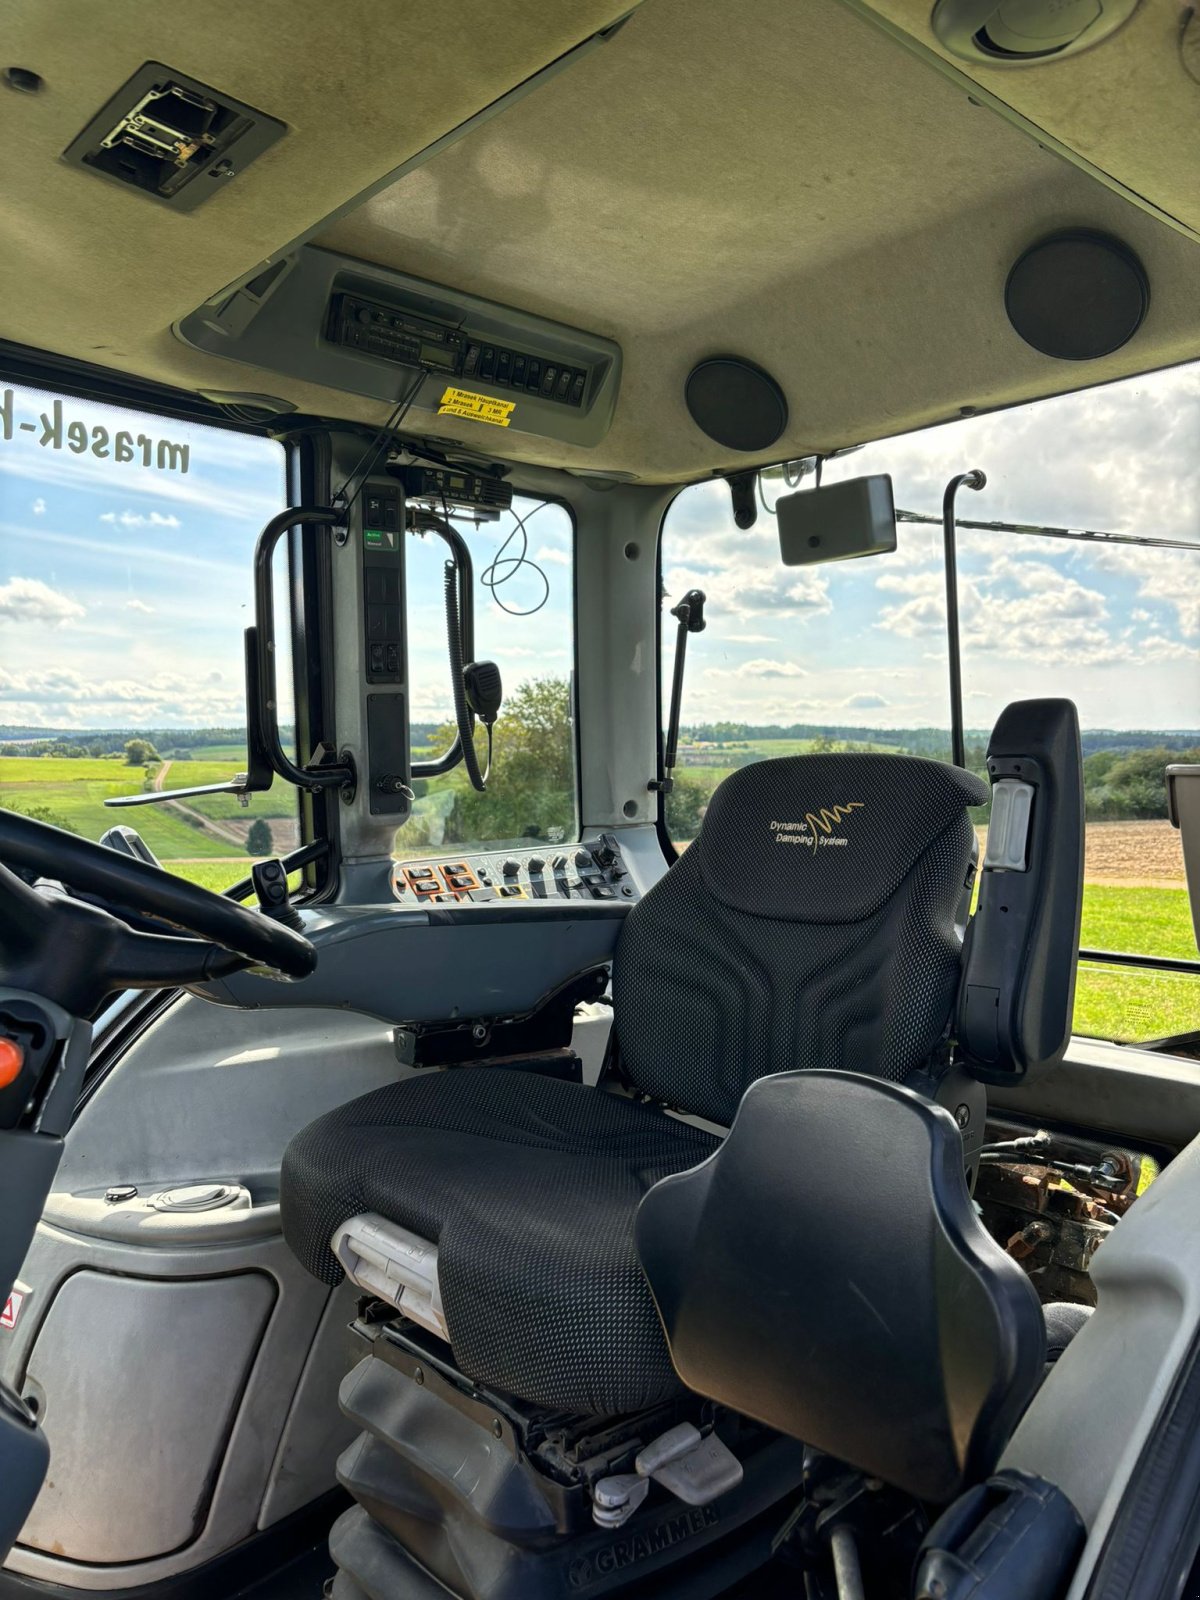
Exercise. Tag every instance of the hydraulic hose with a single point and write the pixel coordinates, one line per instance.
(462, 712)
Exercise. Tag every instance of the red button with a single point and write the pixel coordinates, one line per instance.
(12, 1059)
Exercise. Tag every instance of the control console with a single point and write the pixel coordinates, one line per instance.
(593, 870)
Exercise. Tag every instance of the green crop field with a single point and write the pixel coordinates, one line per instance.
(1132, 1003)
(279, 801)
(1111, 1002)
(72, 792)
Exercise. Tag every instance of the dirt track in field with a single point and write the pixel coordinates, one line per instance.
(1132, 853)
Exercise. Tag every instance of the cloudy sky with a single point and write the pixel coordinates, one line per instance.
(863, 643)
(124, 589)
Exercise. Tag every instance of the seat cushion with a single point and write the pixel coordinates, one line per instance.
(529, 1187)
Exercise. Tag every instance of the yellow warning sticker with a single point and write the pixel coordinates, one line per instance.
(479, 407)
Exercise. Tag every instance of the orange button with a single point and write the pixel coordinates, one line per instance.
(12, 1059)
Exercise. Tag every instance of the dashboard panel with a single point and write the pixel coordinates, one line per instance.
(592, 870)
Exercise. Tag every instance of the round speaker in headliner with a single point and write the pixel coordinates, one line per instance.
(736, 403)
(1077, 295)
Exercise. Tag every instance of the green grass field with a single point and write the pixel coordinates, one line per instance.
(75, 791)
(1111, 1002)
(1129, 1002)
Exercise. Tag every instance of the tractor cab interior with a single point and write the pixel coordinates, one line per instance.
(598, 800)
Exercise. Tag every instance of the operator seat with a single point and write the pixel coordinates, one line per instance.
(812, 924)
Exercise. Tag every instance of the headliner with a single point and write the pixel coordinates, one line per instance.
(797, 184)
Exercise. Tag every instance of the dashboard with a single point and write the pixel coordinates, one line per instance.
(592, 870)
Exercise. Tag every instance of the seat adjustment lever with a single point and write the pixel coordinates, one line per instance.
(692, 1466)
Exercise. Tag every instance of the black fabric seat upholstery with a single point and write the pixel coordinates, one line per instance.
(812, 924)
(529, 1187)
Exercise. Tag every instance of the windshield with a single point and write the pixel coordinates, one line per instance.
(524, 621)
(125, 583)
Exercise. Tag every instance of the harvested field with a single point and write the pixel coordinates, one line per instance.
(1130, 853)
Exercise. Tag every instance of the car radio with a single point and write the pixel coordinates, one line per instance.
(379, 329)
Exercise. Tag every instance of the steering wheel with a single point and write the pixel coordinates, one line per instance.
(76, 953)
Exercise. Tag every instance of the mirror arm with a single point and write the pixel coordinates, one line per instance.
(264, 753)
(264, 718)
(958, 740)
(461, 555)
(689, 614)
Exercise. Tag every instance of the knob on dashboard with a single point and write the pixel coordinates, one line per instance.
(583, 858)
(536, 863)
(511, 868)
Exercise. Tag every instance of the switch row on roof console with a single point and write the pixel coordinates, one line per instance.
(592, 871)
(400, 336)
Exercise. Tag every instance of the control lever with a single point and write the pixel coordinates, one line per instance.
(689, 613)
(696, 1468)
(271, 890)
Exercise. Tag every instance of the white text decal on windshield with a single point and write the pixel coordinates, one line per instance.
(51, 430)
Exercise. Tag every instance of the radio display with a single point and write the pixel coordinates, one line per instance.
(436, 355)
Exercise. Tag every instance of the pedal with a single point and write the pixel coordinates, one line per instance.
(696, 1468)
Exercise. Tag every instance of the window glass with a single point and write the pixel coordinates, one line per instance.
(125, 583)
(794, 659)
(1113, 626)
(524, 621)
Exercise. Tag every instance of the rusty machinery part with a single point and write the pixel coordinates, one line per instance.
(1051, 1201)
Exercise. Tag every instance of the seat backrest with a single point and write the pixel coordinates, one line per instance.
(811, 924)
(825, 1271)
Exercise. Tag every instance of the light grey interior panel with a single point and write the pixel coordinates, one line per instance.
(207, 1092)
(416, 966)
(289, 319)
(316, 1432)
(159, 1374)
(235, 1488)
(1090, 1421)
(1135, 1095)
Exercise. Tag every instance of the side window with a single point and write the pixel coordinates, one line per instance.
(795, 659)
(125, 583)
(1080, 582)
(524, 621)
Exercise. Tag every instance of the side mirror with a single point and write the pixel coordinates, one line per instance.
(838, 522)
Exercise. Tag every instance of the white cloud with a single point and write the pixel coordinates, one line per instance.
(922, 583)
(758, 669)
(139, 605)
(750, 638)
(549, 553)
(63, 697)
(31, 600)
(1155, 648)
(865, 702)
(39, 507)
(138, 519)
(755, 593)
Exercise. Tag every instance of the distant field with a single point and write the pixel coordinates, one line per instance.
(208, 830)
(1134, 899)
(234, 753)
